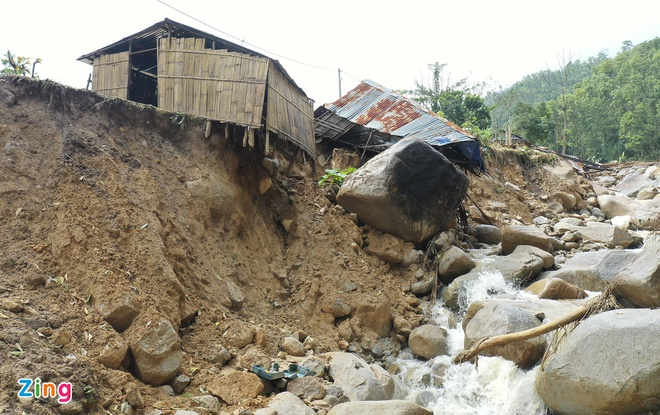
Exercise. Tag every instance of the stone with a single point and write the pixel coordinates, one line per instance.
(647, 194)
(71, 408)
(520, 267)
(208, 402)
(402, 326)
(354, 376)
(385, 379)
(387, 247)
(567, 200)
(179, 383)
(218, 355)
(185, 412)
(555, 289)
(410, 191)
(234, 386)
(637, 281)
(592, 271)
(495, 319)
(11, 305)
(236, 296)
(157, 353)
(633, 183)
(548, 259)
(454, 294)
(421, 288)
(239, 336)
(454, 263)
(308, 388)
(617, 205)
(488, 234)
(336, 306)
(610, 363)
(647, 216)
(113, 352)
(392, 407)
(134, 398)
(515, 235)
(428, 341)
(293, 346)
(119, 311)
(285, 403)
(376, 317)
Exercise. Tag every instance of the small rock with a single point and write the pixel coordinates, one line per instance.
(236, 386)
(218, 355)
(428, 341)
(11, 305)
(118, 312)
(157, 354)
(208, 402)
(134, 398)
(166, 390)
(293, 346)
(179, 383)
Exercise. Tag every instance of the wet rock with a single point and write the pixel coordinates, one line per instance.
(515, 235)
(454, 294)
(285, 403)
(488, 234)
(387, 247)
(385, 379)
(601, 368)
(454, 263)
(496, 319)
(354, 376)
(647, 216)
(421, 288)
(234, 386)
(157, 353)
(393, 407)
(617, 205)
(391, 192)
(555, 289)
(428, 341)
(308, 388)
(117, 311)
(519, 267)
(637, 281)
(293, 346)
(548, 259)
(376, 317)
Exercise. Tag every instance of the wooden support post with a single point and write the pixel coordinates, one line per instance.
(207, 132)
(245, 138)
(267, 149)
(227, 131)
(250, 138)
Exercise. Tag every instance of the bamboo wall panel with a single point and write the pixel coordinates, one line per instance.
(289, 113)
(215, 84)
(110, 75)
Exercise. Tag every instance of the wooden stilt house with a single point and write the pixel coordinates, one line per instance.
(184, 70)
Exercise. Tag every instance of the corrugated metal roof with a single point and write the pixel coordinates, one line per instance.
(374, 106)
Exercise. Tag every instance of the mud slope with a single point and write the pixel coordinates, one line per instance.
(107, 206)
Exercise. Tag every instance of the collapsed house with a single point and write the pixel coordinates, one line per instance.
(372, 118)
(183, 70)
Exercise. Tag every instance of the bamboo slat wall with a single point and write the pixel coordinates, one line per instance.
(215, 84)
(110, 75)
(289, 113)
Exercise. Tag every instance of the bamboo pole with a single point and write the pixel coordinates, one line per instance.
(602, 302)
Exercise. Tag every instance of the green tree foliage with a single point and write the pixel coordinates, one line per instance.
(18, 65)
(454, 101)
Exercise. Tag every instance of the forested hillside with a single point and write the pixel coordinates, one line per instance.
(602, 109)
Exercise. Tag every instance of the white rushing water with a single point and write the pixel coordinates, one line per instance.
(497, 386)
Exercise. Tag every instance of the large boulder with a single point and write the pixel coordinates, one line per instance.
(633, 183)
(234, 386)
(494, 319)
(617, 205)
(157, 353)
(592, 270)
(638, 281)
(454, 262)
(393, 407)
(515, 235)
(647, 216)
(410, 191)
(604, 233)
(429, 341)
(351, 373)
(610, 364)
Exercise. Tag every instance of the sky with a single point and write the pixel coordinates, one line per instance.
(389, 42)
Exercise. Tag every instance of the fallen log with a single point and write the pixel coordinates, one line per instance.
(603, 302)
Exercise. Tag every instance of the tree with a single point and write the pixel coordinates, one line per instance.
(18, 65)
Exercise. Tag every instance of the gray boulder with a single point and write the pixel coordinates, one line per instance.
(454, 262)
(393, 407)
(285, 403)
(617, 205)
(351, 373)
(428, 341)
(592, 271)
(488, 234)
(519, 267)
(494, 319)
(515, 235)
(610, 364)
(633, 183)
(409, 190)
(604, 233)
(647, 216)
(638, 280)
(548, 259)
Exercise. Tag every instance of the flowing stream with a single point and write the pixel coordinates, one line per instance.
(497, 386)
